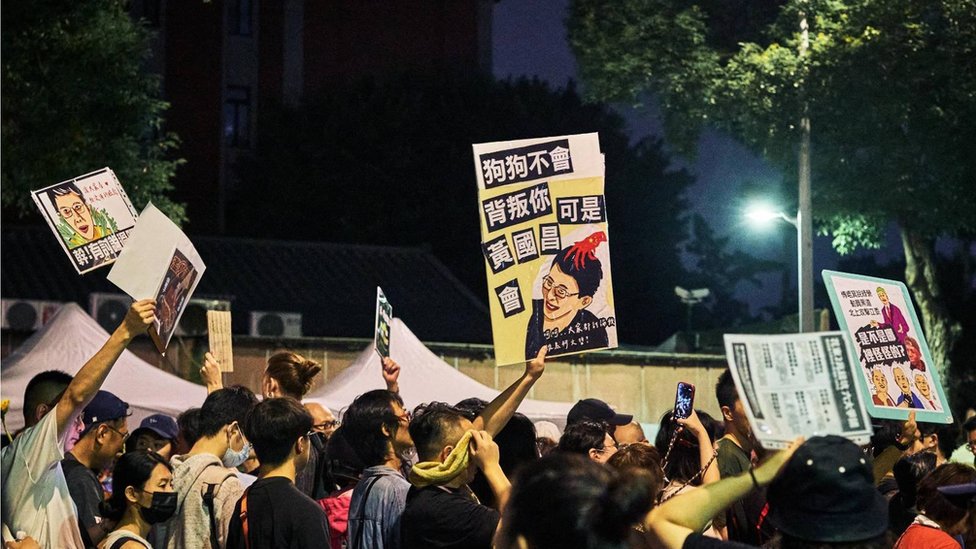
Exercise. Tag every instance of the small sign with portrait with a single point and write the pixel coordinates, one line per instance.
(90, 215)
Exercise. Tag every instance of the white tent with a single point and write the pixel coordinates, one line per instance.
(66, 343)
(424, 377)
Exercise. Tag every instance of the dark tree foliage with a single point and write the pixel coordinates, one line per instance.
(389, 161)
(77, 97)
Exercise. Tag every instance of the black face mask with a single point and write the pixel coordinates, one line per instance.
(318, 441)
(163, 507)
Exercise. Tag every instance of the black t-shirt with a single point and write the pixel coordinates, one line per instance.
(441, 517)
(85, 491)
(278, 515)
(698, 541)
(743, 517)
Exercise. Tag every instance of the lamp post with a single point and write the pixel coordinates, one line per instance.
(691, 298)
(763, 214)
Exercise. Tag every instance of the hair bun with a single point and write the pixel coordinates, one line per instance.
(307, 370)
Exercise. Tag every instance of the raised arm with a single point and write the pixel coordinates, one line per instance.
(670, 523)
(210, 373)
(494, 417)
(391, 375)
(706, 450)
(89, 379)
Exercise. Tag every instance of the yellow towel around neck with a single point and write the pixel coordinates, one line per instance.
(438, 473)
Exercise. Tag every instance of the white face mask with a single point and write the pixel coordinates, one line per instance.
(234, 459)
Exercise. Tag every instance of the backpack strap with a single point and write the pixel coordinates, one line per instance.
(208, 502)
(362, 507)
(243, 516)
(209, 496)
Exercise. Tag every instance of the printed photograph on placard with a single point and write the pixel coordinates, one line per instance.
(384, 317)
(546, 246)
(91, 217)
(173, 296)
(897, 371)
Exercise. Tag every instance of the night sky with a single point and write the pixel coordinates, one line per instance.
(530, 39)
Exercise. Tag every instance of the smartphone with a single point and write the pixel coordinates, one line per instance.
(684, 400)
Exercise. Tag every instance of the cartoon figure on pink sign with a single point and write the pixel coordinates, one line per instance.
(892, 316)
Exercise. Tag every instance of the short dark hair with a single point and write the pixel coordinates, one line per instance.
(342, 466)
(471, 407)
(587, 274)
(640, 456)
(64, 189)
(948, 434)
(908, 472)
(44, 388)
(274, 425)
(566, 500)
(434, 426)
(970, 424)
(363, 422)
(932, 503)
(725, 391)
(582, 436)
(132, 469)
(225, 406)
(189, 424)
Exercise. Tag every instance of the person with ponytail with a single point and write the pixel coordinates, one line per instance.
(559, 319)
(567, 500)
(142, 495)
(289, 375)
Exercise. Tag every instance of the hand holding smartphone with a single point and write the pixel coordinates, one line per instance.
(684, 400)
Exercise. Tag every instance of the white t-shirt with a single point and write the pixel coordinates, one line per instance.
(35, 493)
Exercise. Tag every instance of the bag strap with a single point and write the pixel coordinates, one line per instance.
(208, 501)
(119, 543)
(243, 515)
(362, 507)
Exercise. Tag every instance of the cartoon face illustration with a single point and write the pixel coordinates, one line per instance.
(901, 380)
(880, 381)
(74, 211)
(912, 350)
(922, 385)
(561, 295)
(882, 295)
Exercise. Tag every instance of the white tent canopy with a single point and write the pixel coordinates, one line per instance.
(424, 377)
(66, 343)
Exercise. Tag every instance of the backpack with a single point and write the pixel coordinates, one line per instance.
(336, 507)
(209, 493)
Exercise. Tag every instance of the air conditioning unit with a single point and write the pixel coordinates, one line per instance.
(276, 324)
(108, 309)
(194, 319)
(27, 315)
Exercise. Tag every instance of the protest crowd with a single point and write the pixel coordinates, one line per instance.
(248, 470)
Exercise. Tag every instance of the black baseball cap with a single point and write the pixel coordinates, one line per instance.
(596, 410)
(826, 493)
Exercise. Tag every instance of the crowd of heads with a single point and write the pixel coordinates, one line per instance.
(597, 482)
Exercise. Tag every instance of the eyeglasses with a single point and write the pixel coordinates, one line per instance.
(612, 448)
(125, 436)
(77, 208)
(326, 425)
(562, 292)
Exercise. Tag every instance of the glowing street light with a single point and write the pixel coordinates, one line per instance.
(760, 215)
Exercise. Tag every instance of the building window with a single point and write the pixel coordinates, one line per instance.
(237, 117)
(240, 17)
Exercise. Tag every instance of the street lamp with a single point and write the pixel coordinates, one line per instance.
(762, 215)
(691, 298)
